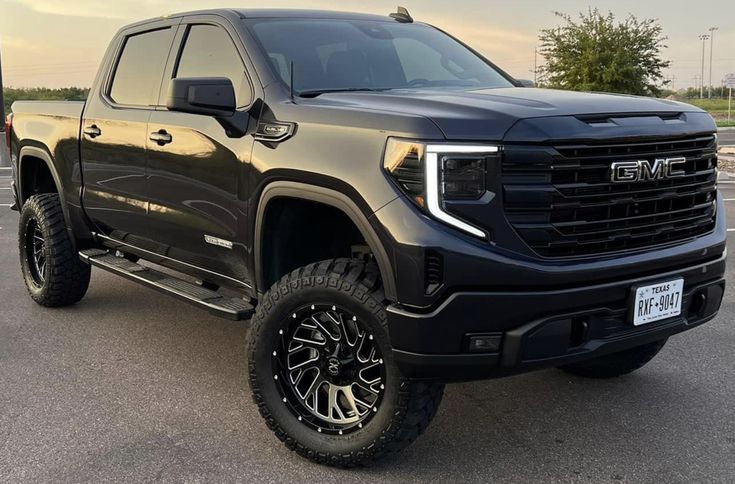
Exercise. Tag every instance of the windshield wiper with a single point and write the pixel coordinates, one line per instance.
(318, 92)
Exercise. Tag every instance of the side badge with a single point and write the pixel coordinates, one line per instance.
(274, 131)
(218, 242)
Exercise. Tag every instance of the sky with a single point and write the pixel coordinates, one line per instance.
(59, 43)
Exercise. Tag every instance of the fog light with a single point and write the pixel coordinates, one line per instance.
(485, 343)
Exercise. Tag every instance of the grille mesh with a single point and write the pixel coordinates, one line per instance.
(561, 201)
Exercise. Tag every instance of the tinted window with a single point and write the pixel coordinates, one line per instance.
(210, 52)
(342, 54)
(140, 68)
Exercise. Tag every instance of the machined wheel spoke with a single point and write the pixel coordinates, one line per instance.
(364, 341)
(304, 363)
(312, 386)
(352, 401)
(365, 388)
(313, 356)
(35, 251)
(360, 401)
(325, 331)
(309, 335)
(333, 403)
(366, 369)
(350, 326)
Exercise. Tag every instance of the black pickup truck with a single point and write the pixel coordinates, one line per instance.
(390, 209)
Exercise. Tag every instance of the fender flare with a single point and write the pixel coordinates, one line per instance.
(333, 198)
(43, 155)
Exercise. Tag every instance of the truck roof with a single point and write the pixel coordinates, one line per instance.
(305, 13)
(268, 13)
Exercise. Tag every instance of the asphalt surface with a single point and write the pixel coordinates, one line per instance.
(129, 385)
(4, 155)
(726, 137)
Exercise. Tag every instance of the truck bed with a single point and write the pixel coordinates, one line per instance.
(44, 120)
(47, 133)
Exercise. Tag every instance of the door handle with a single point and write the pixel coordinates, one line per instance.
(161, 137)
(92, 131)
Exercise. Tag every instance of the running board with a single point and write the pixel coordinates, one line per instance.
(214, 302)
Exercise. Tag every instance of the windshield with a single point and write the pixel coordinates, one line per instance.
(336, 54)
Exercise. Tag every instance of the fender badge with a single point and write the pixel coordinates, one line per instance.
(218, 242)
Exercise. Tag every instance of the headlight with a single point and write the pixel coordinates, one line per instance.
(431, 174)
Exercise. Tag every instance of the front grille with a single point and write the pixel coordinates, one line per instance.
(561, 201)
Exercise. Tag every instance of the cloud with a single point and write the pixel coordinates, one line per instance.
(18, 43)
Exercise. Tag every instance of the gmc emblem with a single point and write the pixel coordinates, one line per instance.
(642, 170)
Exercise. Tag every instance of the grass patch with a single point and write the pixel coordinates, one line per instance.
(709, 104)
(716, 107)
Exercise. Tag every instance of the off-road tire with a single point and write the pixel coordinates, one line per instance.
(66, 276)
(616, 364)
(407, 407)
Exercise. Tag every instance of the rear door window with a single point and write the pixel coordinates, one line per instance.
(139, 70)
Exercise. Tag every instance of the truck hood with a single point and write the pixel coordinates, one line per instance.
(488, 114)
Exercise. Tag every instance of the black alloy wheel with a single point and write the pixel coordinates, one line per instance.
(329, 370)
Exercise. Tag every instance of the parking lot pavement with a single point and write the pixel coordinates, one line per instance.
(726, 137)
(6, 198)
(130, 385)
(4, 155)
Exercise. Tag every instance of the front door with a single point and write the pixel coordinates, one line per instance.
(195, 168)
(114, 134)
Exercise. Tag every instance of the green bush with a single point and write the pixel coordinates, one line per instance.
(43, 94)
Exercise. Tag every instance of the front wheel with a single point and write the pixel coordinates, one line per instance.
(53, 273)
(322, 371)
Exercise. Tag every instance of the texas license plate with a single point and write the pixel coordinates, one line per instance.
(657, 301)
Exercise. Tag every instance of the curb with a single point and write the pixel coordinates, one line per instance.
(729, 128)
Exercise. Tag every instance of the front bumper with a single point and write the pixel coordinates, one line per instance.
(542, 328)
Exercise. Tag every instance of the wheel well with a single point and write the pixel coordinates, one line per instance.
(35, 178)
(298, 232)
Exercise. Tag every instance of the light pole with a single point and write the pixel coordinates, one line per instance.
(703, 38)
(711, 48)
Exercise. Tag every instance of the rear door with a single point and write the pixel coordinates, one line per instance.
(194, 180)
(114, 131)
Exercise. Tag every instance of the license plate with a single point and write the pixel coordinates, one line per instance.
(657, 301)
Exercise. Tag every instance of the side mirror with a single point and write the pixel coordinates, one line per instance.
(526, 83)
(210, 96)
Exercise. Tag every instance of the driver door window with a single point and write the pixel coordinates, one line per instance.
(209, 52)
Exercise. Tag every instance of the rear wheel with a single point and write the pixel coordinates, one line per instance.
(616, 364)
(322, 370)
(53, 273)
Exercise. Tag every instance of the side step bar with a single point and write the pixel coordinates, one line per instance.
(214, 302)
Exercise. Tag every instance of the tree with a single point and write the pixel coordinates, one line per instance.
(597, 53)
(43, 94)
